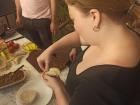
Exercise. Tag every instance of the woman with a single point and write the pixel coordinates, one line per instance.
(107, 72)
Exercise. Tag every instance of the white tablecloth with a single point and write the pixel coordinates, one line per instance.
(8, 95)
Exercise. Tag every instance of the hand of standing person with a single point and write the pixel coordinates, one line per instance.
(54, 27)
(19, 21)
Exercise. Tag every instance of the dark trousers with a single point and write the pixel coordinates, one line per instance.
(39, 31)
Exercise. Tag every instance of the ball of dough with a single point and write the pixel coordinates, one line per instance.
(27, 97)
(53, 71)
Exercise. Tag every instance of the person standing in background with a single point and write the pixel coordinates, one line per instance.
(39, 19)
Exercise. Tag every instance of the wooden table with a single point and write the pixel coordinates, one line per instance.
(8, 95)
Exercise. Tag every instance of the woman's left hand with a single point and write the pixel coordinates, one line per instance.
(54, 82)
(72, 54)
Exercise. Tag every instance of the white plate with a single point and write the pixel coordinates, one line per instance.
(45, 92)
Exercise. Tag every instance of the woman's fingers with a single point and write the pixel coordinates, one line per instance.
(74, 57)
(41, 64)
(73, 54)
(44, 76)
(46, 65)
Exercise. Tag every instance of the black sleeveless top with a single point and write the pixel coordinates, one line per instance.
(104, 85)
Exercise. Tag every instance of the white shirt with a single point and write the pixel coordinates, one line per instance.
(36, 9)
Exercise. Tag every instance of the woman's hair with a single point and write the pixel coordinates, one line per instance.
(128, 9)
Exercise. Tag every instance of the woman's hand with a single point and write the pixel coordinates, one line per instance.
(44, 59)
(52, 58)
(54, 82)
(57, 85)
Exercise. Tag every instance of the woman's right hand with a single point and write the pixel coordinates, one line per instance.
(50, 58)
(44, 59)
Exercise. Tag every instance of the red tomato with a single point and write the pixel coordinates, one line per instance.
(16, 46)
(10, 43)
(11, 49)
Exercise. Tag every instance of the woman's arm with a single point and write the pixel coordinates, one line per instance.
(61, 47)
(62, 97)
(71, 40)
(67, 42)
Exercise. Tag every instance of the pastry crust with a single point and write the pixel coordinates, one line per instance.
(53, 72)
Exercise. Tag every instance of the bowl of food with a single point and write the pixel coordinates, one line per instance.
(34, 92)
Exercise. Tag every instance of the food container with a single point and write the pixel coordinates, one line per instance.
(12, 78)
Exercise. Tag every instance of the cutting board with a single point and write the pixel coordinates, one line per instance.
(59, 62)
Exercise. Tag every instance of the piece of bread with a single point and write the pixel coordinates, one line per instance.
(27, 97)
(53, 72)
